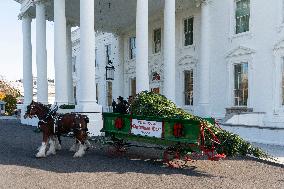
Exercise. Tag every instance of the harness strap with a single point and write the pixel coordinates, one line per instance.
(40, 123)
(56, 124)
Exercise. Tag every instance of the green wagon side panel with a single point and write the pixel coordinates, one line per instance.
(191, 129)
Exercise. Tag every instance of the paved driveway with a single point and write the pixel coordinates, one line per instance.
(20, 169)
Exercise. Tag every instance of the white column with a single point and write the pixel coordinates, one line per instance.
(69, 66)
(204, 68)
(27, 60)
(87, 97)
(60, 53)
(87, 101)
(41, 57)
(169, 49)
(142, 75)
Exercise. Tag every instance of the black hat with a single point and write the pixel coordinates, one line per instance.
(120, 98)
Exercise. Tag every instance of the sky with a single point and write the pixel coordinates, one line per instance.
(11, 63)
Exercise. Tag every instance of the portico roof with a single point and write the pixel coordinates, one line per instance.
(110, 15)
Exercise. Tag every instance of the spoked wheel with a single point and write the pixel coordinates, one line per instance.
(193, 156)
(117, 148)
(195, 153)
(212, 155)
(173, 158)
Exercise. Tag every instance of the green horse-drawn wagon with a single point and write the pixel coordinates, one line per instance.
(181, 139)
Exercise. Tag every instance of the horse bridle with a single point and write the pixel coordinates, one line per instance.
(38, 108)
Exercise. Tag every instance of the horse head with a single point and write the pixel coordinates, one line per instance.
(36, 109)
(28, 111)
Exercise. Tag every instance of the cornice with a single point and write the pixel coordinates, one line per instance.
(19, 1)
(26, 4)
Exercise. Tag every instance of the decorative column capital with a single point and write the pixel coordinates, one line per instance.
(200, 3)
(70, 22)
(24, 15)
(42, 2)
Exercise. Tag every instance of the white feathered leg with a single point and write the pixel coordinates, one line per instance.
(74, 147)
(41, 152)
(51, 150)
(57, 144)
(81, 151)
(88, 144)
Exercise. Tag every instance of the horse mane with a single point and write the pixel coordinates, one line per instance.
(46, 107)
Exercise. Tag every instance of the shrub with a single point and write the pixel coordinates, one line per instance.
(67, 106)
(11, 104)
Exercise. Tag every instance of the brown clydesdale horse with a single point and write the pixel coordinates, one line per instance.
(53, 125)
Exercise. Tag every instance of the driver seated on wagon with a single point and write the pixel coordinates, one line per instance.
(121, 106)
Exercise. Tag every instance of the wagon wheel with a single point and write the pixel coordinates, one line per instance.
(173, 158)
(203, 153)
(194, 154)
(212, 155)
(117, 148)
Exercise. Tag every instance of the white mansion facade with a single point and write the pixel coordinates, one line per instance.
(212, 57)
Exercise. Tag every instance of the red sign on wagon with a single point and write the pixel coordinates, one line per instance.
(147, 128)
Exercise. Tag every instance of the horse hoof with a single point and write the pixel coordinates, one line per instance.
(73, 148)
(40, 155)
(58, 147)
(78, 155)
(50, 153)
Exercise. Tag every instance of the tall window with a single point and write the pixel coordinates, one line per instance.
(242, 15)
(132, 47)
(109, 93)
(188, 87)
(188, 31)
(241, 84)
(157, 41)
(108, 53)
(156, 90)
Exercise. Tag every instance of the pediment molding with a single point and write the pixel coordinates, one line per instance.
(240, 51)
(187, 60)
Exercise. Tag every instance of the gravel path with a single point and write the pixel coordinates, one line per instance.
(20, 169)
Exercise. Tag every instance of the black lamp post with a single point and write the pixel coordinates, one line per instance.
(110, 71)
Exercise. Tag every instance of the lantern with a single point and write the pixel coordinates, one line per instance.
(110, 71)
